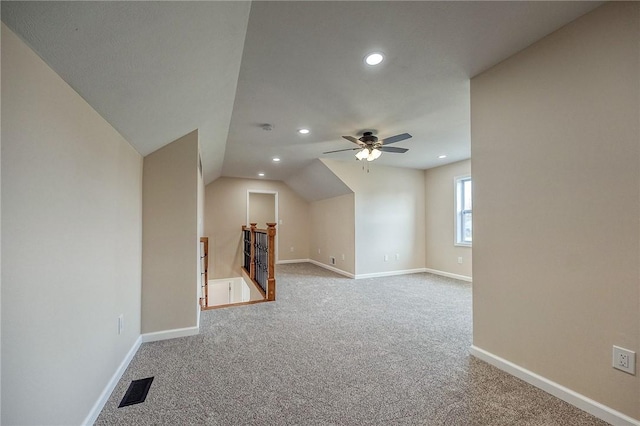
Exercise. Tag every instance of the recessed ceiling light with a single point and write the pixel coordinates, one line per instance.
(261, 174)
(303, 131)
(276, 159)
(442, 156)
(374, 58)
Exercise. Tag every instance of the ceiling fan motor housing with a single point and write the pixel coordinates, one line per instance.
(368, 138)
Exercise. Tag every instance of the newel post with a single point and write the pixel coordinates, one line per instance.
(271, 281)
(252, 265)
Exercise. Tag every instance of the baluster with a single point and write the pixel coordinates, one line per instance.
(271, 257)
(252, 260)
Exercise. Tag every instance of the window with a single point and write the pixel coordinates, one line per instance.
(463, 211)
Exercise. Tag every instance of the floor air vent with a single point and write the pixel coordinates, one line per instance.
(137, 392)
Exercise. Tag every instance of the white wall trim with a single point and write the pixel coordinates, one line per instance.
(595, 408)
(111, 385)
(199, 311)
(377, 274)
(449, 275)
(170, 334)
(391, 273)
(282, 262)
(331, 268)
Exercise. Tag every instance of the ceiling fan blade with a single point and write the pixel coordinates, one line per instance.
(394, 139)
(340, 150)
(354, 140)
(393, 149)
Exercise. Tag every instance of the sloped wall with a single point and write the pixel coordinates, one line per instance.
(389, 216)
(71, 245)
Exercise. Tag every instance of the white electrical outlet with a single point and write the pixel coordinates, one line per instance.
(343, 257)
(318, 251)
(120, 323)
(386, 257)
(291, 249)
(397, 256)
(624, 360)
(460, 260)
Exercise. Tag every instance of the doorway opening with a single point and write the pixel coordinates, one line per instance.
(262, 208)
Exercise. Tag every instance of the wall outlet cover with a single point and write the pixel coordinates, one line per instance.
(624, 360)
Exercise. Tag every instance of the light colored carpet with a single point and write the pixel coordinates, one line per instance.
(331, 350)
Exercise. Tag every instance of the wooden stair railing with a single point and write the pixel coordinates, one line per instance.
(259, 257)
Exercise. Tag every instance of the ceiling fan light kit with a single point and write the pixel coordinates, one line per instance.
(369, 154)
(362, 154)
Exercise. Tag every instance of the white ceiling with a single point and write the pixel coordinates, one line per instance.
(157, 70)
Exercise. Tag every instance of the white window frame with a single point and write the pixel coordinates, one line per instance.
(459, 212)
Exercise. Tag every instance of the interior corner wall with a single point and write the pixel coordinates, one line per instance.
(556, 169)
(71, 245)
(226, 212)
(333, 232)
(441, 252)
(389, 216)
(170, 239)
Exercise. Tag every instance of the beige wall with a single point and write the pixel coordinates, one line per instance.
(390, 216)
(442, 253)
(333, 232)
(170, 256)
(262, 209)
(226, 212)
(71, 245)
(555, 159)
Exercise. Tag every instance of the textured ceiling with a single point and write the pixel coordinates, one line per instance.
(157, 70)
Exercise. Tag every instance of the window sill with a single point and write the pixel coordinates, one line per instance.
(462, 245)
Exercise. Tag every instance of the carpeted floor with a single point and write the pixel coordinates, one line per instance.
(331, 350)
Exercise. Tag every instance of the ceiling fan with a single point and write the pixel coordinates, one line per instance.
(370, 147)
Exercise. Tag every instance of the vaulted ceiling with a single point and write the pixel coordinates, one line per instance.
(157, 70)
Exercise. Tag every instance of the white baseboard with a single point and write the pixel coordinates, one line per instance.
(331, 268)
(449, 275)
(595, 408)
(111, 385)
(391, 273)
(282, 262)
(170, 334)
(359, 276)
